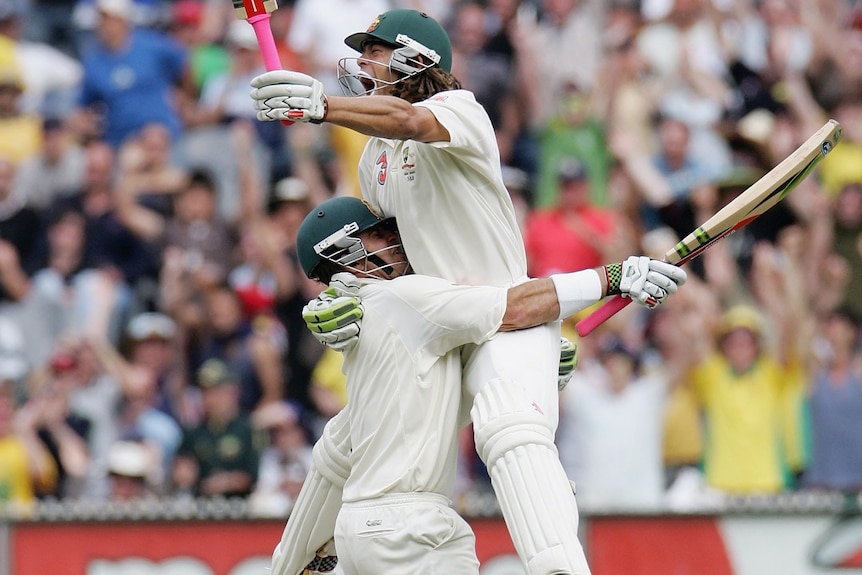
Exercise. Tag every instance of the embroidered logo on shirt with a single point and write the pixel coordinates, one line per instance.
(408, 163)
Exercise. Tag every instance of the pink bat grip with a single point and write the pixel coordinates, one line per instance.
(598, 317)
(266, 43)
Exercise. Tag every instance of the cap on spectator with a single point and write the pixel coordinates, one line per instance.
(613, 345)
(188, 12)
(288, 190)
(241, 35)
(120, 8)
(151, 325)
(129, 459)
(571, 170)
(214, 373)
(276, 414)
(741, 317)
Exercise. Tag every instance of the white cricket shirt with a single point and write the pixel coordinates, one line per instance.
(404, 383)
(453, 210)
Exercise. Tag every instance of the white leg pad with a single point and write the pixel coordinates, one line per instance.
(311, 524)
(534, 494)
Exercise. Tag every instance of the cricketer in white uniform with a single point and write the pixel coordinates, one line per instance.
(403, 417)
(439, 175)
(384, 469)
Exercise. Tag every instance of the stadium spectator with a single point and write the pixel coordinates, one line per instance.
(130, 465)
(285, 461)
(130, 75)
(69, 296)
(487, 74)
(574, 234)
(253, 348)
(50, 77)
(63, 432)
(834, 399)
(20, 131)
(111, 245)
(19, 237)
(219, 457)
(26, 466)
(613, 417)
(739, 387)
(153, 342)
(57, 171)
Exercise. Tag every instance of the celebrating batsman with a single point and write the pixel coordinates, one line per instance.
(432, 162)
(384, 469)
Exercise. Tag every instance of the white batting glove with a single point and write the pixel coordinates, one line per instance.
(286, 95)
(649, 281)
(333, 320)
(568, 362)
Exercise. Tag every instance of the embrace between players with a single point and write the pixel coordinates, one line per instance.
(455, 334)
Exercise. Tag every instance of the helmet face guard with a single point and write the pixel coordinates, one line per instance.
(329, 233)
(403, 63)
(342, 247)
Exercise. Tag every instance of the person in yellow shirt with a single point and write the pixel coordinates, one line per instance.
(26, 465)
(739, 385)
(20, 133)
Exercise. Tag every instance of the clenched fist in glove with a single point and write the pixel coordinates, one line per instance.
(334, 320)
(645, 280)
(286, 95)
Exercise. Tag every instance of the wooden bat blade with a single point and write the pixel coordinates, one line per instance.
(745, 208)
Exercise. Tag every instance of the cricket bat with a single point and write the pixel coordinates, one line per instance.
(742, 210)
(257, 13)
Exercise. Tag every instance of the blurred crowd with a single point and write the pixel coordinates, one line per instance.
(151, 342)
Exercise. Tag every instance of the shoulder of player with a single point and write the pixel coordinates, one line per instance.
(449, 98)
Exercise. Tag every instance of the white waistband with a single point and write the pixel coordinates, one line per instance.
(400, 499)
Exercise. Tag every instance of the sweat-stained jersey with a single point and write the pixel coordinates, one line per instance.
(455, 216)
(404, 382)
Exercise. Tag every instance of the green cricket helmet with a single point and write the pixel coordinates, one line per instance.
(329, 233)
(413, 33)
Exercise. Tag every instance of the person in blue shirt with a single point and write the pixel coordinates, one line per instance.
(131, 75)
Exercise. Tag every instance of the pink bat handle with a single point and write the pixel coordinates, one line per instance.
(598, 317)
(266, 43)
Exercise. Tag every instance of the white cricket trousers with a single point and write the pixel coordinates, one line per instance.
(404, 534)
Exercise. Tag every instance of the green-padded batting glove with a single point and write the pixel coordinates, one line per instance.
(334, 320)
(568, 362)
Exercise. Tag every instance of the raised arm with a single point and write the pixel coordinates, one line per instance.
(282, 94)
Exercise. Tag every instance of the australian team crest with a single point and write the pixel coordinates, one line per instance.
(408, 163)
(373, 26)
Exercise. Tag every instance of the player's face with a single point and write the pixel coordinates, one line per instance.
(386, 258)
(374, 65)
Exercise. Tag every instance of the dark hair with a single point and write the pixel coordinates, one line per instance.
(425, 84)
(202, 178)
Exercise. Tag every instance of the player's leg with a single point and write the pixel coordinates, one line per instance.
(513, 380)
(405, 534)
(311, 524)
